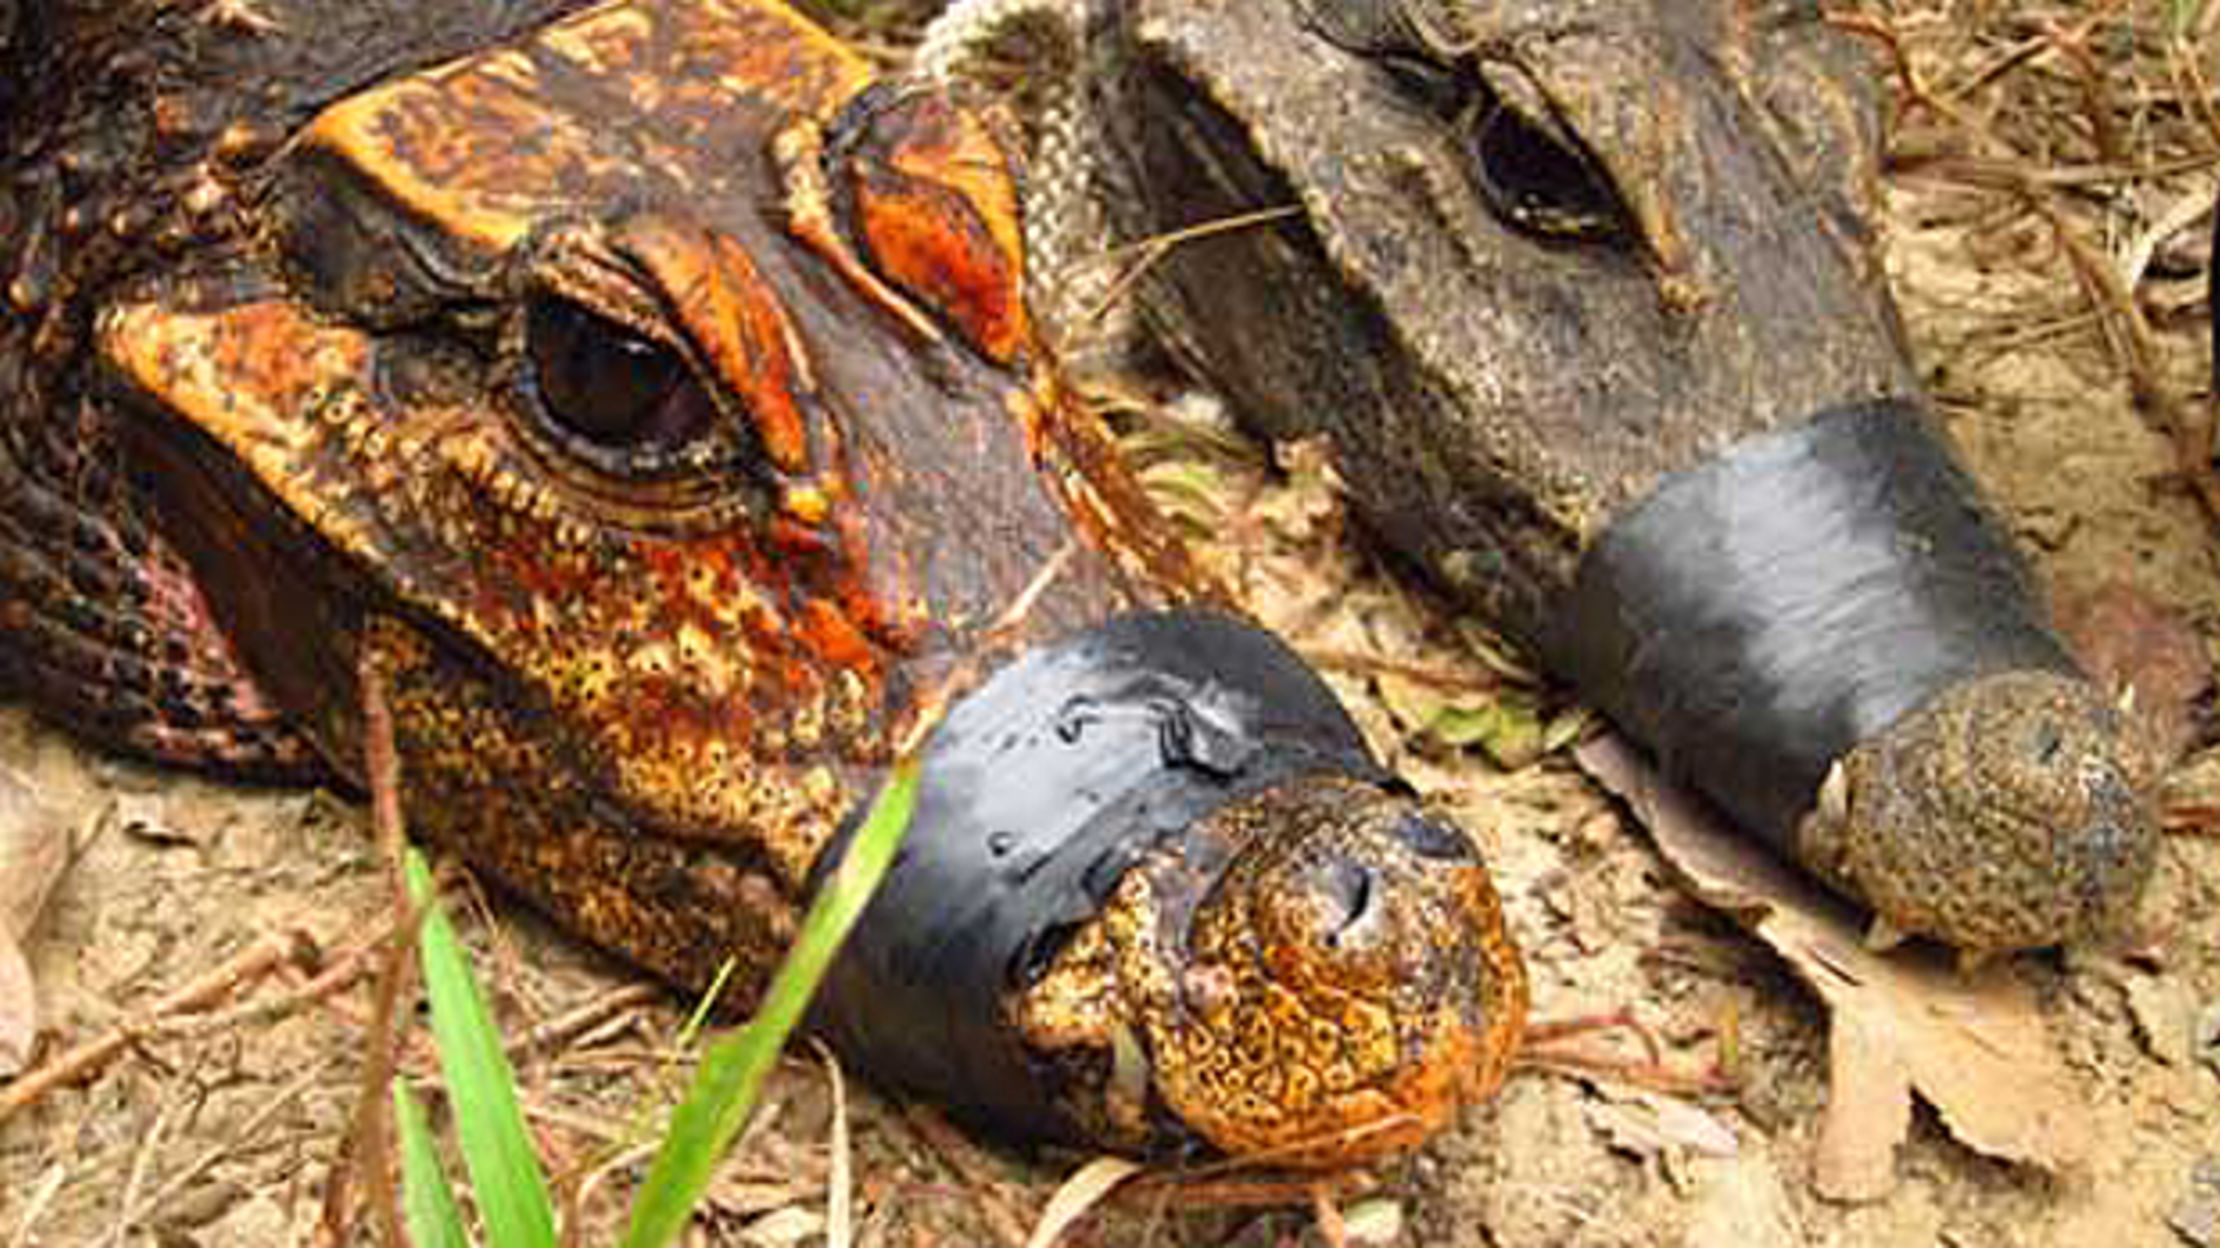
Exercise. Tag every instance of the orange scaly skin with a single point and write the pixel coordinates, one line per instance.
(713, 651)
(1279, 1030)
(651, 396)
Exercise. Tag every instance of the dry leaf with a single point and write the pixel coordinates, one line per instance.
(2146, 654)
(1085, 1189)
(1646, 1123)
(34, 848)
(1308, 506)
(19, 1009)
(1973, 1046)
(786, 1228)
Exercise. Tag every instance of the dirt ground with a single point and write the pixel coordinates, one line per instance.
(2046, 181)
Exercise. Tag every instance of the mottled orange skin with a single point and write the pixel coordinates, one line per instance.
(645, 695)
(1274, 1025)
(708, 657)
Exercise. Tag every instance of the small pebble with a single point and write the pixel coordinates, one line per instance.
(1374, 1223)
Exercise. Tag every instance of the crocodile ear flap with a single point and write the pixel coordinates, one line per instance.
(925, 190)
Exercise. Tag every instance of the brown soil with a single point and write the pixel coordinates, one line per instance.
(2024, 155)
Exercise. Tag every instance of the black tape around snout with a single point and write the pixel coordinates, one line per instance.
(1037, 792)
(1757, 616)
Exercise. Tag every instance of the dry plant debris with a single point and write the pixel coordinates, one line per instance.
(2148, 656)
(1974, 1045)
(34, 849)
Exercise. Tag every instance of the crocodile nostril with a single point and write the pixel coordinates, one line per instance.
(1346, 892)
(1434, 838)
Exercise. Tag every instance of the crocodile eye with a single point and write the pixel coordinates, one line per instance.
(594, 380)
(1530, 169)
(1538, 180)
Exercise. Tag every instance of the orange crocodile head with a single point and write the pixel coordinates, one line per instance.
(661, 389)
(651, 400)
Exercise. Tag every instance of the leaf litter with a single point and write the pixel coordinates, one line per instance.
(34, 851)
(1975, 1046)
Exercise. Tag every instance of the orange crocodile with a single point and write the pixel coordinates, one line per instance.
(646, 389)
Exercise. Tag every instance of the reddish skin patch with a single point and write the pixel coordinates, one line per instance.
(941, 225)
(538, 576)
(832, 638)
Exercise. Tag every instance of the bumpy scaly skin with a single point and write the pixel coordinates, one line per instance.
(709, 658)
(1999, 816)
(1497, 395)
(1318, 974)
(641, 678)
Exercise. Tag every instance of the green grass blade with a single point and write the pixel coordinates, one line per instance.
(691, 1029)
(731, 1073)
(427, 1202)
(505, 1175)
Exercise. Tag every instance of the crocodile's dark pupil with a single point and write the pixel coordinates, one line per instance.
(600, 381)
(1539, 184)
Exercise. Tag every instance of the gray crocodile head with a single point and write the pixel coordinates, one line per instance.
(1545, 253)
(1538, 269)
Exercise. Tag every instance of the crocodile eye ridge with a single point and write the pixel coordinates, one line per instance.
(1526, 162)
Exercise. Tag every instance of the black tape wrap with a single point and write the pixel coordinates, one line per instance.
(1757, 616)
(1038, 791)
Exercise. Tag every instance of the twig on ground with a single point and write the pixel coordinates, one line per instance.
(42, 1195)
(142, 1160)
(1223, 1187)
(289, 945)
(2096, 93)
(1542, 1050)
(366, 1147)
(1331, 1226)
(840, 1202)
(1137, 258)
(175, 1185)
(1592, 1067)
(1917, 95)
(576, 1196)
(1546, 1032)
(2195, 87)
(2136, 350)
(583, 1018)
(2191, 819)
(338, 974)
